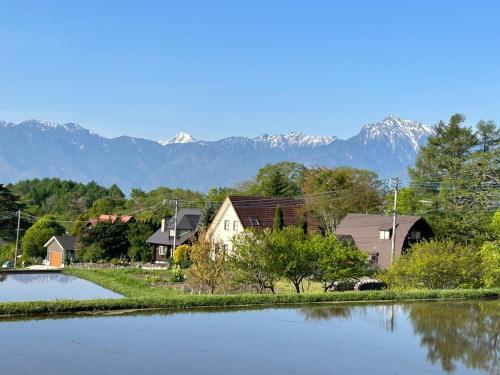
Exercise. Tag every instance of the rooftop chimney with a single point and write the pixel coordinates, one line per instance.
(163, 222)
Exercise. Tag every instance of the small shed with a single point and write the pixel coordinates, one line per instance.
(59, 247)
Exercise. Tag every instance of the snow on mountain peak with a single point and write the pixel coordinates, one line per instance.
(178, 138)
(49, 125)
(294, 139)
(394, 128)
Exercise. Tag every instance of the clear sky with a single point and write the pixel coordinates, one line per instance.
(220, 68)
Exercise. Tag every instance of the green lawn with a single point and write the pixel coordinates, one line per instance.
(150, 289)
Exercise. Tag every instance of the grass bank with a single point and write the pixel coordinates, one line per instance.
(138, 287)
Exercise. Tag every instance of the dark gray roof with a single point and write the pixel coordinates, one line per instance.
(67, 242)
(162, 238)
(188, 219)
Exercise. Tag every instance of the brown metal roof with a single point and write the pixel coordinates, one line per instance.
(365, 231)
(263, 209)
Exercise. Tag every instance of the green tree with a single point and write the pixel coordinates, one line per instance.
(252, 260)
(458, 181)
(296, 260)
(279, 221)
(333, 193)
(490, 257)
(336, 261)
(277, 180)
(111, 238)
(9, 204)
(436, 265)
(137, 235)
(37, 235)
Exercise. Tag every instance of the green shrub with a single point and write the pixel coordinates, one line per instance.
(7, 252)
(490, 256)
(181, 255)
(436, 265)
(91, 253)
(176, 275)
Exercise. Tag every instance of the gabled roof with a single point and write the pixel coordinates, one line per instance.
(187, 219)
(162, 238)
(249, 208)
(66, 242)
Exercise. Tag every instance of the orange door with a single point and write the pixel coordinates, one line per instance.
(55, 259)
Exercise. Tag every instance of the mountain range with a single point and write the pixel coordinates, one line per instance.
(44, 149)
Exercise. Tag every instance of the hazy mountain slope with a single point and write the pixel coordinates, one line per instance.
(40, 149)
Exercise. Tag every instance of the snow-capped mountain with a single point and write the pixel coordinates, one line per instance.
(44, 149)
(294, 139)
(393, 129)
(178, 138)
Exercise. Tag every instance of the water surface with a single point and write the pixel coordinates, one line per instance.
(15, 287)
(416, 338)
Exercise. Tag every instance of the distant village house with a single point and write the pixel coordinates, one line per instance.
(60, 248)
(162, 241)
(373, 234)
(238, 213)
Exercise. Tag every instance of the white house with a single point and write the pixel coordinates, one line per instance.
(238, 213)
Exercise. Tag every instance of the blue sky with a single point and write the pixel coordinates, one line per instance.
(221, 68)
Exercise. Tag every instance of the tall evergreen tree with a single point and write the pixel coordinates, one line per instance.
(279, 221)
(457, 179)
(9, 204)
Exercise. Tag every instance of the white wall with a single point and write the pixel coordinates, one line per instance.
(226, 212)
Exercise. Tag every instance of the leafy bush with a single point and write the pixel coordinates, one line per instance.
(436, 265)
(91, 253)
(7, 252)
(209, 268)
(177, 276)
(490, 255)
(35, 237)
(181, 256)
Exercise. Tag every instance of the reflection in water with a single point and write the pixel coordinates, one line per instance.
(41, 278)
(459, 332)
(3, 277)
(453, 333)
(49, 286)
(325, 312)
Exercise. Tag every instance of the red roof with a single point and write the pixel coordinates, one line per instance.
(263, 209)
(111, 219)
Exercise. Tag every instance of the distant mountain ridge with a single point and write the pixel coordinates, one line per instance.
(45, 149)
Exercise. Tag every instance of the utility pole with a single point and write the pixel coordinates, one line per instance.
(176, 203)
(395, 183)
(17, 236)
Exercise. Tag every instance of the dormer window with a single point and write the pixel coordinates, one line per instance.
(385, 234)
(254, 221)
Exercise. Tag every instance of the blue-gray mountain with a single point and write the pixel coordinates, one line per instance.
(39, 149)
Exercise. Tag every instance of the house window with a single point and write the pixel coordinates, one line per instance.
(254, 221)
(226, 224)
(385, 234)
(162, 250)
(235, 225)
(172, 233)
(415, 235)
(225, 247)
